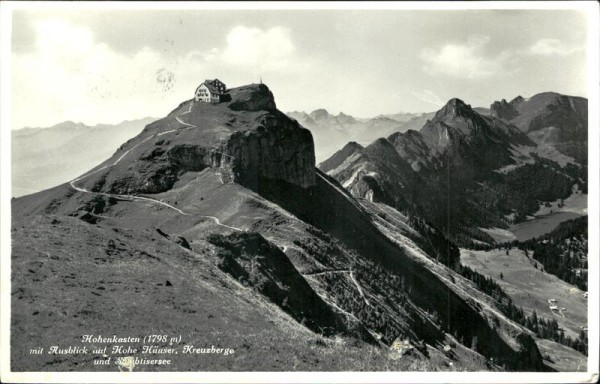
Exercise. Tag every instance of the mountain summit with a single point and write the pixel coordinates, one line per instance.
(459, 134)
(245, 138)
(454, 107)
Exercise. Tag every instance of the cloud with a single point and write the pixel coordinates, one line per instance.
(253, 46)
(463, 60)
(428, 97)
(69, 75)
(547, 47)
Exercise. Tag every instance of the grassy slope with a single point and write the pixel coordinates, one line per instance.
(530, 288)
(72, 278)
(563, 358)
(74, 287)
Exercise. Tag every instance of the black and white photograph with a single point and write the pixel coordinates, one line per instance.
(299, 192)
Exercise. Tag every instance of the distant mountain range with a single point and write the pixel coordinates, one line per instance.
(464, 170)
(45, 157)
(331, 132)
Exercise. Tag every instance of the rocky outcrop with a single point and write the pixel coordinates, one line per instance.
(246, 138)
(251, 98)
(454, 107)
(437, 172)
(503, 110)
(544, 110)
(253, 261)
(278, 149)
(564, 116)
(376, 173)
(567, 113)
(459, 121)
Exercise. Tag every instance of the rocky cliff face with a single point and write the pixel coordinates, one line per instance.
(251, 98)
(278, 149)
(245, 139)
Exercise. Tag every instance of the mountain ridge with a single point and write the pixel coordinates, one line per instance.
(486, 157)
(163, 153)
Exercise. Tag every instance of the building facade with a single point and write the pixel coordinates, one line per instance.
(210, 91)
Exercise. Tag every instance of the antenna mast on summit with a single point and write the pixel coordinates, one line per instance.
(261, 79)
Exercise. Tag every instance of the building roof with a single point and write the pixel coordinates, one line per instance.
(211, 87)
(210, 84)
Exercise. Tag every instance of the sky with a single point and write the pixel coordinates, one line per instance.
(106, 66)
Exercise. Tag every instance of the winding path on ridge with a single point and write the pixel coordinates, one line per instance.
(148, 199)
